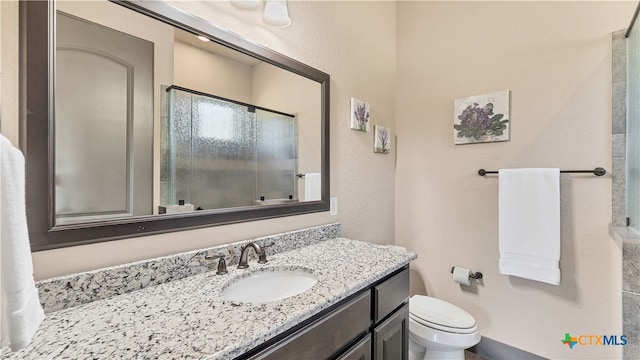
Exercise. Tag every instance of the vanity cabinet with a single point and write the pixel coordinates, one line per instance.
(391, 318)
(371, 325)
(326, 336)
(391, 337)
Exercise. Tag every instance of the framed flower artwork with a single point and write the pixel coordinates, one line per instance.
(360, 114)
(382, 139)
(481, 118)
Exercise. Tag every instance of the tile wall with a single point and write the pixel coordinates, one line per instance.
(629, 239)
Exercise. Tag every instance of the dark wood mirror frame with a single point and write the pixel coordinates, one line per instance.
(37, 49)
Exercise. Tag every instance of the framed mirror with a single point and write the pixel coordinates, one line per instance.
(138, 118)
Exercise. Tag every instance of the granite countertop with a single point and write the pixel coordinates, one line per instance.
(190, 319)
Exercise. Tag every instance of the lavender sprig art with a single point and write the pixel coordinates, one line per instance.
(383, 135)
(360, 115)
(482, 118)
(382, 142)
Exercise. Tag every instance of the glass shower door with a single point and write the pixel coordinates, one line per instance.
(218, 153)
(223, 154)
(277, 156)
(633, 127)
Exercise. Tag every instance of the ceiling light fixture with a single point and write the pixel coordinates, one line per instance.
(276, 13)
(202, 38)
(247, 4)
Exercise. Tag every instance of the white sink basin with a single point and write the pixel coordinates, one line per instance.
(265, 286)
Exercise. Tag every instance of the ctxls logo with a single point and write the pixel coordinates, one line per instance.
(569, 340)
(593, 340)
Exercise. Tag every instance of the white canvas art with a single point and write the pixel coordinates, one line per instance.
(481, 118)
(360, 114)
(382, 139)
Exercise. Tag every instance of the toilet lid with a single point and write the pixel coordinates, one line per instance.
(440, 314)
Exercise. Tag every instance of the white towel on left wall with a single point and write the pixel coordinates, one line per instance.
(20, 309)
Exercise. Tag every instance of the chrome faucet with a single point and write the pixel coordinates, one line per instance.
(262, 255)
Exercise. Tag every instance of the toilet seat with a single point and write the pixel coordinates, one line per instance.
(441, 315)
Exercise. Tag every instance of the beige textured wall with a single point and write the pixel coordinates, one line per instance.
(343, 39)
(210, 73)
(9, 69)
(555, 59)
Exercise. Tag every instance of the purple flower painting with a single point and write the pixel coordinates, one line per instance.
(382, 140)
(481, 118)
(360, 115)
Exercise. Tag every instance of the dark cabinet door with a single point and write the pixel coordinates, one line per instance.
(359, 351)
(391, 337)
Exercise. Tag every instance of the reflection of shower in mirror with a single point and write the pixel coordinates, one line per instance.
(220, 153)
(99, 178)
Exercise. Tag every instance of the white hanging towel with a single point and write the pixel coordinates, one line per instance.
(529, 223)
(20, 311)
(312, 187)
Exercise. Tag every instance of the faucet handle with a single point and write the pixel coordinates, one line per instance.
(214, 257)
(262, 258)
(222, 263)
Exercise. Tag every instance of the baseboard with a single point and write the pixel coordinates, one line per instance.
(491, 349)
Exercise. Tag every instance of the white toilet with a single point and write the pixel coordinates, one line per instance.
(439, 330)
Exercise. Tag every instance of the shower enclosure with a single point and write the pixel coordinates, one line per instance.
(626, 76)
(219, 153)
(633, 126)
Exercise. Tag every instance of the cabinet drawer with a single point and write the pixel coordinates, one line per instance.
(323, 338)
(390, 294)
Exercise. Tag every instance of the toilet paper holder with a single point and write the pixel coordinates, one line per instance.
(473, 275)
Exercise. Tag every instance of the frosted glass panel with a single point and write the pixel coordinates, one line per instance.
(277, 155)
(221, 154)
(224, 149)
(179, 142)
(633, 127)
